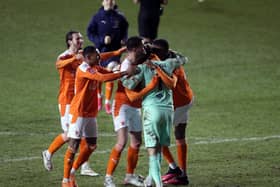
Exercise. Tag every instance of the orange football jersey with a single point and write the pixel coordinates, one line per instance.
(182, 93)
(84, 103)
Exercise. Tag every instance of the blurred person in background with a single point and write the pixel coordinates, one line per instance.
(149, 17)
(108, 30)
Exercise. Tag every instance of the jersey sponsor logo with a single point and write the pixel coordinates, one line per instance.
(103, 22)
(159, 95)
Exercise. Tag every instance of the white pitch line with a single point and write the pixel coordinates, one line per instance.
(204, 142)
(220, 140)
(7, 133)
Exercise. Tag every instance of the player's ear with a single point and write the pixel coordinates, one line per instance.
(69, 42)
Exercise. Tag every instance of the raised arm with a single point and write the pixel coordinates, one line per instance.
(106, 55)
(103, 77)
(169, 81)
(64, 61)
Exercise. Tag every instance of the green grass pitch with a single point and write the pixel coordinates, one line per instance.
(234, 49)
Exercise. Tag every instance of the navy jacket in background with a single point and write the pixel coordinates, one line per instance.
(111, 23)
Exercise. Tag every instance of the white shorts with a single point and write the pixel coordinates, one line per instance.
(181, 114)
(83, 127)
(128, 117)
(65, 120)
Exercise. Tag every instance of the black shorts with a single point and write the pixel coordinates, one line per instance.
(148, 25)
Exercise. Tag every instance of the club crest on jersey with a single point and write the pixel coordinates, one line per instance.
(92, 71)
(159, 95)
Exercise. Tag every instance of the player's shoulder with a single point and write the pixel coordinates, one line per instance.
(84, 67)
(64, 55)
(120, 13)
(100, 13)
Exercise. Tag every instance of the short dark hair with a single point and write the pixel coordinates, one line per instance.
(133, 42)
(161, 48)
(69, 36)
(162, 43)
(89, 50)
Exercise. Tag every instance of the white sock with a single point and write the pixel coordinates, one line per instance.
(65, 180)
(128, 174)
(72, 172)
(48, 154)
(172, 165)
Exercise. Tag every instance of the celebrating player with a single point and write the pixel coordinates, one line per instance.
(83, 111)
(127, 122)
(157, 107)
(183, 99)
(67, 64)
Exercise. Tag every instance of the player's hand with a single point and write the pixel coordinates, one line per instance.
(79, 56)
(136, 1)
(172, 53)
(107, 40)
(164, 2)
(122, 42)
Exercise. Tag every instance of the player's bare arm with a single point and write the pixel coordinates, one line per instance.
(93, 74)
(60, 63)
(169, 81)
(133, 95)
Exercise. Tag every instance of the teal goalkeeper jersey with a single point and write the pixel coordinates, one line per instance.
(161, 95)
